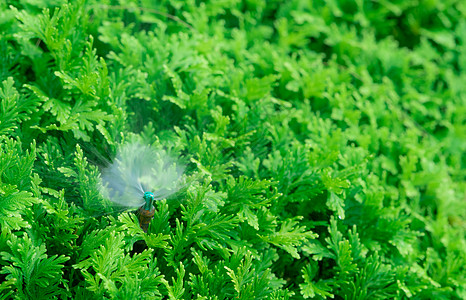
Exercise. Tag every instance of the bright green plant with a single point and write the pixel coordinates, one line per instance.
(324, 143)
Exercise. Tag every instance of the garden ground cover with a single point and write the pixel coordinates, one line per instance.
(324, 143)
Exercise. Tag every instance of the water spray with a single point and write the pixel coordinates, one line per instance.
(139, 176)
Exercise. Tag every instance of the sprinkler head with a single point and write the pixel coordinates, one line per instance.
(149, 199)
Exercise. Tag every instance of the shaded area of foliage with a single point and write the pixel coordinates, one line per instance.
(325, 144)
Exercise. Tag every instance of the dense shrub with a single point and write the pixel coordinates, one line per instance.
(324, 143)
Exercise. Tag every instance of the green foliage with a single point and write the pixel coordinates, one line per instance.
(15, 169)
(324, 146)
(35, 275)
(111, 273)
(14, 107)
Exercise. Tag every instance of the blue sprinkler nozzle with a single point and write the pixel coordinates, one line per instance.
(149, 199)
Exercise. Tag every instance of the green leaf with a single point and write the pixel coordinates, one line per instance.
(34, 273)
(336, 204)
(311, 289)
(290, 236)
(176, 291)
(157, 240)
(258, 88)
(8, 111)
